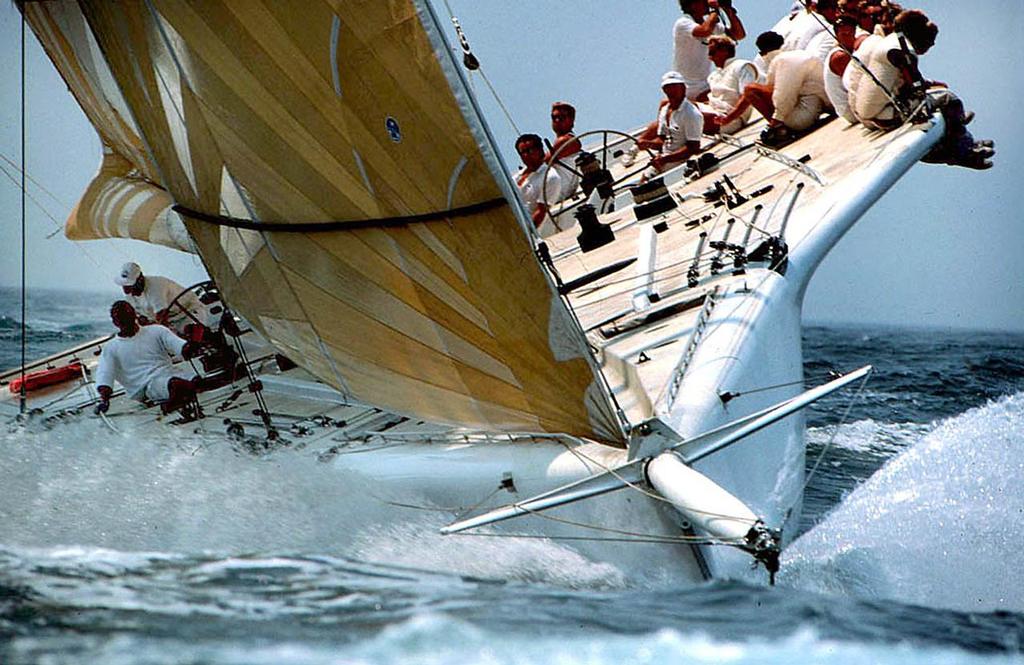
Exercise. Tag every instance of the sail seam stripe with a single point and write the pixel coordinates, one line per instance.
(313, 227)
(335, 74)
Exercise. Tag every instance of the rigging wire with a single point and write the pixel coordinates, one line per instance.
(479, 69)
(35, 182)
(835, 432)
(50, 216)
(24, 325)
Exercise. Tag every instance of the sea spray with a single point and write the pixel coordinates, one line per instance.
(939, 525)
(167, 490)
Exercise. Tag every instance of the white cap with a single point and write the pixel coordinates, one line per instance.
(130, 273)
(672, 77)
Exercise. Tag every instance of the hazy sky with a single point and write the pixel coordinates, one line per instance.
(942, 248)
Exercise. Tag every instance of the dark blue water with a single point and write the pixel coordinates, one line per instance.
(116, 550)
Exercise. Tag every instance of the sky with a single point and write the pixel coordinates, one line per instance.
(941, 249)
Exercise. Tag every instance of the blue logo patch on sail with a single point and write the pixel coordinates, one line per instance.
(394, 131)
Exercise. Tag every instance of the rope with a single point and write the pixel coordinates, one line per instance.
(59, 226)
(624, 532)
(640, 538)
(501, 104)
(35, 182)
(623, 535)
(339, 225)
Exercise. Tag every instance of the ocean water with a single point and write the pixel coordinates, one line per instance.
(115, 549)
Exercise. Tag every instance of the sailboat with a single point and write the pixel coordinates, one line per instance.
(631, 386)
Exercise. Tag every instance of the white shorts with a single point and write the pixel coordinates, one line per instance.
(156, 389)
(805, 113)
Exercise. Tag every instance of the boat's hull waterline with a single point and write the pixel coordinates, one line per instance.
(493, 383)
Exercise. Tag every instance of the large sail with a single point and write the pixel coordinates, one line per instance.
(310, 147)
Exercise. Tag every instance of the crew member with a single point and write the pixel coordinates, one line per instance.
(836, 64)
(730, 77)
(680, 126)
(893, 63)
(810, 26)
(793, 96)
(535, 179)
(151, 297)
(563, 119)
(139, 358)
(701, 19)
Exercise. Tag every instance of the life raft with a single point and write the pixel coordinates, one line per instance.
(47, 377)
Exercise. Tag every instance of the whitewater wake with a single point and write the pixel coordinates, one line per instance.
(939, 525)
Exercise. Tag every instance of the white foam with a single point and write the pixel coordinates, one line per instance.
(869, 436)
(420, 545)
(433, 639)
(80, 491)
(80, 485)
(939, 525)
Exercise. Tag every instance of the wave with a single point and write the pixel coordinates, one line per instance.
(436, 639)
(938, 525)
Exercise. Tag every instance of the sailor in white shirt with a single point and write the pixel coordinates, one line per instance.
(701, 19)
(151, 295)
(809, 25)
(680, 128)
(798, 89)
(140, 359)
(563, 118)
(793, 95)
(836, 65)
(728, 80)
(535, 179)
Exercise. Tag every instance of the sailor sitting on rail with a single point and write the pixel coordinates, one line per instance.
(727, 81)
(895, 79)
(837, 66)
(537, 181)
(563, 118)
(792, 97)
(680, 126)
(139, 358)
(152, 295)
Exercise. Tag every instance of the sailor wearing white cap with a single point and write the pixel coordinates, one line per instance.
(151, 295)
(680, 126)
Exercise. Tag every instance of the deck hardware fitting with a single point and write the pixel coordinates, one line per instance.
(693, 274)
(721, 247)
(593, 276)
(668, 396)
(594, 234)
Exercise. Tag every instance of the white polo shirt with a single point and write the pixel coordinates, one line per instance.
(679, 127)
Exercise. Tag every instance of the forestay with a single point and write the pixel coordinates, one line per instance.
(318, 112)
